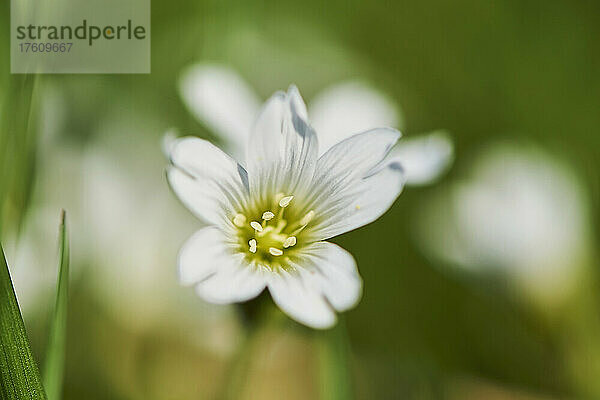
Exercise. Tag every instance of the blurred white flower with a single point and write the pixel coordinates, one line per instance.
(426, 157)
(348, 108)
(519, 212)
(124, 231)
(132, 233)
(227, 105)
(269, 222)
(33, 260)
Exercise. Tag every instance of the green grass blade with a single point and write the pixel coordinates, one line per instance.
(19, 375)
(55, 354)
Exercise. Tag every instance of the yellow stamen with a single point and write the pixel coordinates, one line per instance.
(268, 215)
(239, 220)
(275, 251)
(252, 243)
(289, 242)
(307, 218)
(285, 201)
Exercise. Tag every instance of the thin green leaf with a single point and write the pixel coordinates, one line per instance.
(55, 354)
(19, 375)
(18, 130)
(335, 382)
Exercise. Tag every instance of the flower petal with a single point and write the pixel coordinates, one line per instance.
(222, 100)
(266, 136)
(367, 201)
(233, 283)
(351, 187)
(196, 256)
(424, 158)
(348, 108)
(300, 299)
(334, 272)
(282, 151)
(210, 183)
(220, 275)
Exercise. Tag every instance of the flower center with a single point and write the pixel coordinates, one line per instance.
(271, 234)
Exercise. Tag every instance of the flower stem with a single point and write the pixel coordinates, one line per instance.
(256, 315)
(333, 348)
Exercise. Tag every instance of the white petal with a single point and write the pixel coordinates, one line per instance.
(196, 256)
(424, 158)
(356, 156)
(206, 180)
(352, 187)
(266, 135)
(222, 100)
(333, 270)
(297, 103)
(282, 150)
(168, 141)
(220, 275)
(349, 108)
(362, 204)
(301, 299)
(233, 282)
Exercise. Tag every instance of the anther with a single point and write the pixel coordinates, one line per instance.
(307, 218)
(252, 243)
(256, 226)
(289, 242)
(279, 196)
(274, 251)
(268, 215)
(239, 220)
(285, 201)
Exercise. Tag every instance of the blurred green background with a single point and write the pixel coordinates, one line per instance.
(520, 73)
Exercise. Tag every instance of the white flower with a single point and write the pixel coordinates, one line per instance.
(218, 97)
(519, 212)
(268, 221)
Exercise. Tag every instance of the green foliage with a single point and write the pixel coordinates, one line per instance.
(55, 354)
(18, 129)
(18, 133)
(19, 375)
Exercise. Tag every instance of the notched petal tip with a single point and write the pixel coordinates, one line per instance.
(385, 134)
(279, 96)
(297, 104)
(293, 94)
(168, 140)
(177, 145)
(393, 132)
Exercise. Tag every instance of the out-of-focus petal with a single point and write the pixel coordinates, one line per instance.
(519, 212)
(168, 141)
(219, 98)
(424, 158)
(349, 108)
